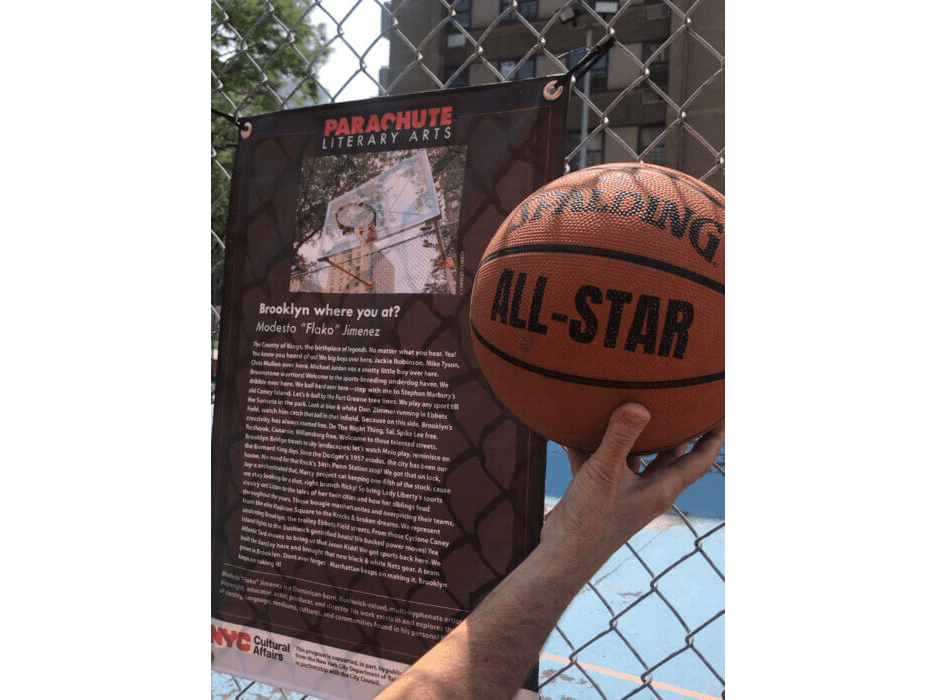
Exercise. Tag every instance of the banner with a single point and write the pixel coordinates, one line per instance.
(368, 487)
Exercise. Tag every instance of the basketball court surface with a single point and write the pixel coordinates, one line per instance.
(687, 561)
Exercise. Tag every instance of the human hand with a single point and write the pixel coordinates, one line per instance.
(610, 499)
(488, 654)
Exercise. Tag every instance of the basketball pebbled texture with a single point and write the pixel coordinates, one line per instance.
(607, 285)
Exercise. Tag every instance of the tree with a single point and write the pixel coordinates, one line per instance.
(264, 56)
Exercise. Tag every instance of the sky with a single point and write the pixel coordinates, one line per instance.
(360, 25)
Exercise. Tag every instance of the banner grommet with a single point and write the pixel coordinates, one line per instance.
(552, 90)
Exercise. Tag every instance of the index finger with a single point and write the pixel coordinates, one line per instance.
(691, 466)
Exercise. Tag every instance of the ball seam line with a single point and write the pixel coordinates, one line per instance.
(597, 381)
(642, 260)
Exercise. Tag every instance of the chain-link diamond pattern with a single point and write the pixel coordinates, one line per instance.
(658, 97)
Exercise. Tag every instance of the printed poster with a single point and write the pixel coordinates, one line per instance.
(368, 487)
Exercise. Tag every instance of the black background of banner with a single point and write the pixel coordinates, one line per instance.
(496, 465)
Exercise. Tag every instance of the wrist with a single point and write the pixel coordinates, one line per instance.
(576, 547)
(565, 564)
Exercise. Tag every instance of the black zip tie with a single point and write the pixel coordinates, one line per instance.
(591, 58)
(243, 125)
(234, 120)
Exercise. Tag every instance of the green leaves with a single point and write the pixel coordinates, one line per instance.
(264, 57)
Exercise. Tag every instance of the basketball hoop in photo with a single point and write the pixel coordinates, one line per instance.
(391, 233)
(359, 218)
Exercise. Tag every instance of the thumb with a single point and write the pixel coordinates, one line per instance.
(624, 427)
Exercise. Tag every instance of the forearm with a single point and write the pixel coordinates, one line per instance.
(488, 655)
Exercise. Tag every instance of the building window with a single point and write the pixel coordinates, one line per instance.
(527, 8)
(461, 80)
(645, 136)
(658, 68)
(604, 7)
(462, 16)
(648, 48)
(527, 70)
(597, 74)
(657, 10)
(594, 149)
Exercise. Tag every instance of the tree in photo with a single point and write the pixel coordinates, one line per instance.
(265, 56)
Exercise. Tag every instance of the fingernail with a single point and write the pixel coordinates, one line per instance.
(635, 414)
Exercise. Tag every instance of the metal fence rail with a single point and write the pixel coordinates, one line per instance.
(658, 96)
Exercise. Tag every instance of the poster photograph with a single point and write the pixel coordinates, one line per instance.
(368, 487)
(393, 232)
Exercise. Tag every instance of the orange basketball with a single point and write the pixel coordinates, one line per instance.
(605, 286)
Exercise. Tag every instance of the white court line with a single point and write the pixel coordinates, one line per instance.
(632, 679)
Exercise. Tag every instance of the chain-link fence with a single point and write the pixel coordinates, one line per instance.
(656, 96)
